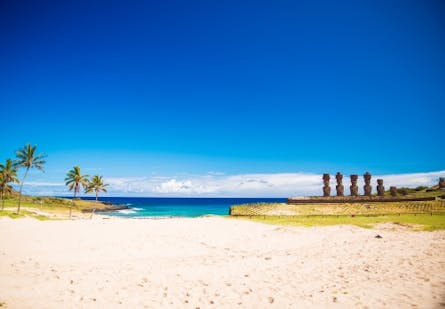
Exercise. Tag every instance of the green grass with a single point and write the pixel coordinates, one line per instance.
(52, 203)
(54, 207)
(35, 203)
(11, 214)
(23, 214)
(425, 222)
(41, 217)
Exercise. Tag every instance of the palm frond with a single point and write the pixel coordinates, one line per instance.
(96, 184)
(74, 179)
(26, 157)
(8, 171)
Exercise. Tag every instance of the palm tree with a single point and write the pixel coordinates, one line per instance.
(27, 158)
(6, 189)
(8, 173)
(74, 180)
(97, 185)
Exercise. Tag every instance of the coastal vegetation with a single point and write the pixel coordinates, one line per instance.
(74, 180)
(41, 207)
(96, 185)
(8, 174)
(28, 159)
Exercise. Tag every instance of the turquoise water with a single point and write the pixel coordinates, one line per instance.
(140, 207)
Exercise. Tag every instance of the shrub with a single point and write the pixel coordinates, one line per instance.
(403, 191)
(420, 188)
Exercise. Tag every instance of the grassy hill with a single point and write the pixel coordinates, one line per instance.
(44, 208)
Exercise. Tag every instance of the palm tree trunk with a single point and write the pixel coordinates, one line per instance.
(76, 188)
(20, 191)
(3, 201)
(97, 193)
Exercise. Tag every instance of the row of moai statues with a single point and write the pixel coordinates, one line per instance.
(367, 188)
(442, 183)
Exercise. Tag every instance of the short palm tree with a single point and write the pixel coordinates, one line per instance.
(97, 185)
(5, 190)
(74, 180)
(27, 158)
(8, 173)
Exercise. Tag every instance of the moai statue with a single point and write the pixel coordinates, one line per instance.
(442, 183)
(380, 187)
(353, 187)
(393, 191)
(340, 188)
(367, 187)
(326, 188)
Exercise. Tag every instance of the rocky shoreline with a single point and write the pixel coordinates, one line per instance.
(109, 208)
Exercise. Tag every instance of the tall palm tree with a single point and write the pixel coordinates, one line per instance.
(97, 185)
(27, 158)
(8, 173)
(74, 180)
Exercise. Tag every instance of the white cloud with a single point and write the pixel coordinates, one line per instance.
(43, 184)
(242, 185)
(187, 187)
(413, 180)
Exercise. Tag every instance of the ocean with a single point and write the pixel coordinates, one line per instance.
(148, 207)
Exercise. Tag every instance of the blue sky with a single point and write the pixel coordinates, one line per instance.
(171, 92)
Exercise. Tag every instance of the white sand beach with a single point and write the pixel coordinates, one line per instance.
(216, 263)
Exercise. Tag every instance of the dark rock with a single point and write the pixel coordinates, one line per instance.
(106, 209)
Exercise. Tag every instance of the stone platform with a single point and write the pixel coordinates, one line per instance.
(354, 199)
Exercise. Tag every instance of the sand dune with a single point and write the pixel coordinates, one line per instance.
(216, 262)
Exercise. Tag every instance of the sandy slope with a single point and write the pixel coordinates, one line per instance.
(216, 263)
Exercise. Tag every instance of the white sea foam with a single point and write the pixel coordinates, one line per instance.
(126, 211)
(136, 208)
(159, 217)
